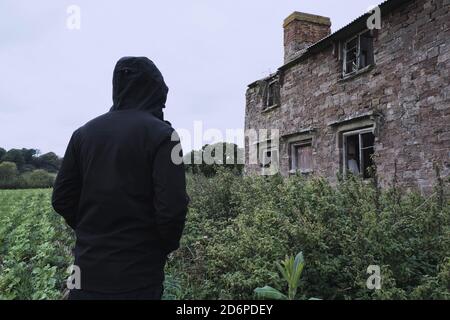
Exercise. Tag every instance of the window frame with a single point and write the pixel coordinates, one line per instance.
(358, 132)
(357, 36)
(292, 148)
(272, 167)
(274, 85)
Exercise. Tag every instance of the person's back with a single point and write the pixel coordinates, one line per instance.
(119, 188)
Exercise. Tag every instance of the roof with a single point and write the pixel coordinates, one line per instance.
(353, 27)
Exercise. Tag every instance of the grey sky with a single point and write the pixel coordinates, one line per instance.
(53, 80)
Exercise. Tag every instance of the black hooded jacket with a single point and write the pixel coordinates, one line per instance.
(119, 189)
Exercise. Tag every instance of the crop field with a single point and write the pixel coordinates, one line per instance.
(34, 246)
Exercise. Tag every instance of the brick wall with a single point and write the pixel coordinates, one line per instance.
(302, 30)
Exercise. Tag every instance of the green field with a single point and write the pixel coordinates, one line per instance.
(238, 227)
(34, 246)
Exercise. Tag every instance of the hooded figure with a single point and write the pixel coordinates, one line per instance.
(119, 189)
(139, 85)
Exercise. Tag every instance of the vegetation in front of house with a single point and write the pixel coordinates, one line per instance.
(239, 227)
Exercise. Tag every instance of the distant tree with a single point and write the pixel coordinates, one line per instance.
(28, 155)
(16, 156)
(8, 175)
(48, 161)
(193, 160)
(211, 157)
(2, 153)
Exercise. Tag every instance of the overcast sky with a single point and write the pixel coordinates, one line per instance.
(53, 79)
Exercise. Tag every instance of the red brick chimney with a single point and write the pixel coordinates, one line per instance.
(302, 30)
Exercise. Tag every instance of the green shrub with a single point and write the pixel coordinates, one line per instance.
(8, 175)
(38, 179)
(342, 230)
(10, 178)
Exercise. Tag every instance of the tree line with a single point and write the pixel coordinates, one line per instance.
(27, 168)
(210, 158)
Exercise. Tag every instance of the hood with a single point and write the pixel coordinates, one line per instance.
(138, 84)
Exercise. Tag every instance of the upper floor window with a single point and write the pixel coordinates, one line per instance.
(271, 95)
(358, 53)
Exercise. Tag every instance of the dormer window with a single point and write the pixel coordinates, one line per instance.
(358, 53)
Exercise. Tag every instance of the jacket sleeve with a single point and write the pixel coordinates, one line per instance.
(170, 197)
(67, 187)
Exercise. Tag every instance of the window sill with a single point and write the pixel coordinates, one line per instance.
(304, 172)
(271, 108)
(359, 177)
(356, 74)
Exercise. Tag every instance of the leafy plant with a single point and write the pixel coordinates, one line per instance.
(291, 270)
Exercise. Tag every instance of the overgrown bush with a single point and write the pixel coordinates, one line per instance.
(11, 178)
(239, 226)
(38, 179)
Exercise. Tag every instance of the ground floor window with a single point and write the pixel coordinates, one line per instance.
(358, 150)
(301, 155)
(268, 156)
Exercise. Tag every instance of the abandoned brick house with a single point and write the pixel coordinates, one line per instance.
(347, 100)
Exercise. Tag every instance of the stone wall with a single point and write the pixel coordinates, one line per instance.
(406, 95)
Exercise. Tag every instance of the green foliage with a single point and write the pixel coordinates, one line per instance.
(269, 293)
(38, 179)
(34, 246)
(16, 156)
(49, 162)
(291, 269)
(31, 170)
(8, 175)
(230, 242)
(238, 226)
(2, 153)
(172, 288)
(11, 179)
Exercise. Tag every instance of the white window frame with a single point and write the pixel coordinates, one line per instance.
(345, 135)
(345, 73)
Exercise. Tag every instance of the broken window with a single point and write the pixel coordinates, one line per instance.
(358, 152)
(301, 157)
(268, 156)
(358, 53)
(272, 94)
